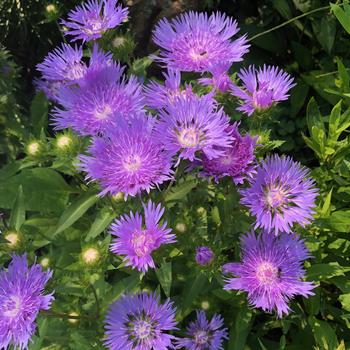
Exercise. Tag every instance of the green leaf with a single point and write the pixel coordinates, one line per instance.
(13, 168)
(343, 74)
(240, 331)
(282, 6)
(180, 191)
(334, 121)
(339, 221)
(345, 301)
(325, 29)
(76, 210)
(320, 272)
(18, 213)
(325, 211)
(342, 16)
(140, 65)
(324, 334)
(39, 113)
(103, 218)
(44, 190)
(164, 274)
(38, 339)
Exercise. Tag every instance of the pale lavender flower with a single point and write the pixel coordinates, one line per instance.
(91, 20)
(280, 195)
(159, 96)
(194, 125)
(63, 64)
(140, 322)
(220, 79)
(195, 41)
(262, 87)
(236, 161)
(136, 240)
(203, 334)
(130, 160)
(21, 299)
(204, 255)
(271, 271)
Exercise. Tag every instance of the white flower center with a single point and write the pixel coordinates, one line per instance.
(142, 242)
(266, 273)
(142, 329)
(103, 112)
(189, 137)
(275, 197)
(198, 54)
(12, 306)
(132, 163)
(201, 337)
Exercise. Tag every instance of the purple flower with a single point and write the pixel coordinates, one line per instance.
(140, 322)
(91, 20)
(204, 255)
(99, 101)
(262, 88)
(21, 299)
(194, 125)
(236, 161)
(137, 241)
(271, 271)
(48, 87)
(203, 334)
(194, 42)
(159, 96)
(63, 64)
(130, 160)
(280, 195)
(220, 79)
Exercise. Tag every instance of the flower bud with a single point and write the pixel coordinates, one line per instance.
(204, 256)
(13, 239)
(90, 256)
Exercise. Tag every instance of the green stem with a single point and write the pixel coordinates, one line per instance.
(324, 8)
(329, 73)
(54, 314)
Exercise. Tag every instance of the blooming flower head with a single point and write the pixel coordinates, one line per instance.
(136, 241)
(63, 64)
(280, 195)
(49, 87)
(271, 271)
(21, 299)
(140, 322)
(194, 41)
(220, 79)
(194, 125)
(204, 255)
(236, 161)
(203, 334)
(91, 20)
(98, 102)
(262, 88)
(130, 160)
(159, 96)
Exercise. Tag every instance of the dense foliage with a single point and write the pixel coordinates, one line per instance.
(55, 216)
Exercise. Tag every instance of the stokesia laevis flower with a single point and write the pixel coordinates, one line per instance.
(140, 322)
(271, 271)
(49, 87)
(203, 334)
(195, 41)
(220, 79)
(63, 64)
(281, 194)
(204, 255)
(21, 299)
(236, 161)
(194, 125)
(159, 96)
(91, 20)
(130, 160)
(136, 240)
(99, 101)
(262, 87)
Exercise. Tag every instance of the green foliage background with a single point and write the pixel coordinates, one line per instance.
(57, 216)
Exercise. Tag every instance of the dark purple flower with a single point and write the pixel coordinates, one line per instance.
(21, 299)
(236, 161)
(195, 41)
(281, 194)
(204, 255)
(194, 125)
(63, 64)
(136, 240)
(271, 271)
(159, 96)
(130, 160)
(140, 322)
(91, 20)
(220, 79)
(262, 88)
(203, 334)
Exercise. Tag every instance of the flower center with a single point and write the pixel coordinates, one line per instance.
(226, 159)
(103, 112)
(142, 242)
(132, 163)
(93, 25)
(12, 306)
(75, 71)
(201, 337)
(266, 273)
(189, 137)
(198, 54)
(142, 329)
(275, 198)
